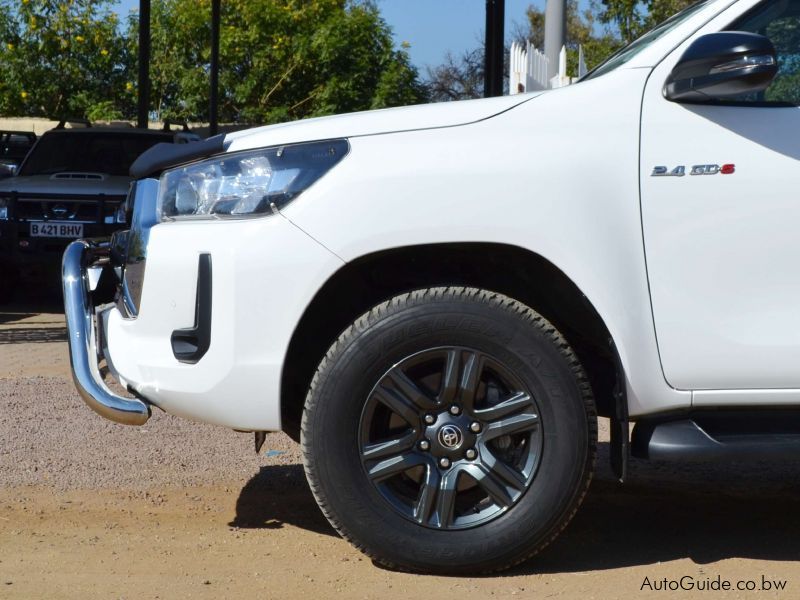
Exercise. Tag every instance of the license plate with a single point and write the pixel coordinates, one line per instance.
(57, 230)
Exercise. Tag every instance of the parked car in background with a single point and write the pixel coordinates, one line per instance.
(14, 147)
(72, 184)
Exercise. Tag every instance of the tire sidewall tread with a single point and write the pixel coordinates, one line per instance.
(496, 545)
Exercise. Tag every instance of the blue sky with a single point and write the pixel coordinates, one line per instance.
(432, 27)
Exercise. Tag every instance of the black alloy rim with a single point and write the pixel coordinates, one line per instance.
(450, 438)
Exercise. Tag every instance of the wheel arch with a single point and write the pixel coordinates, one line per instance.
(516, 272)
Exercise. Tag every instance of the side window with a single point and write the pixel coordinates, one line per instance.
(779, 20)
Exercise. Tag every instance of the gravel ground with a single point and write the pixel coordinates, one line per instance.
(91, 509)
(53, 439)
(50, 438)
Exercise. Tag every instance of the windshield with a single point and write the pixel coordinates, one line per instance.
(622, 56)
(111, 153)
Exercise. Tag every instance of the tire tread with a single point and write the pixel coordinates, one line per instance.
(446, 294)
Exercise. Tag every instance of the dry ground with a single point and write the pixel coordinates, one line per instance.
(90, 509)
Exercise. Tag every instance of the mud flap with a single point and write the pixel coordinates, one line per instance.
(260, 437)
(620, 436)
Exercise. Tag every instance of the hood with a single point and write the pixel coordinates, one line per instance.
(389, 120)
(60, 184)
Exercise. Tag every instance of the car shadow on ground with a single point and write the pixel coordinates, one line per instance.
(639, 524)
(45, 305)
(10, 314)
(664, 512)
(278, 495)
(705, 512)
(29, 303)
(33, 335)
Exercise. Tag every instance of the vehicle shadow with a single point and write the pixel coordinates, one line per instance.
(33, 335)
(664, 512)
(10, 314)
(278, 495)
(44, 305)
(27, 303)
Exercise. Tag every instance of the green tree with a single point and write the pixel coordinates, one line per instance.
(633, 17)
(582, 31)
(280, 60)
(784, 33)
(461, 77)
(62, 58)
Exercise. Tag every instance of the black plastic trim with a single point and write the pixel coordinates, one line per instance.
(720, 435)
(190, 345)
(620, 436)
(166, 155)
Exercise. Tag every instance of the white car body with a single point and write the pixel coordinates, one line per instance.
(633, 250)
(558, 174)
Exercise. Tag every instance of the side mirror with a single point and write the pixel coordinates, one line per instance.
(7, 169)
(722, 66)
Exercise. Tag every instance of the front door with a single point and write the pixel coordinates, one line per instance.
(720, 198)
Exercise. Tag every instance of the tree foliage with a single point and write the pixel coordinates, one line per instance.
(280, 60)
(62, 58)
(457, 78)
(601, 29)
(582, 31)
(632, 18)
(784, 33)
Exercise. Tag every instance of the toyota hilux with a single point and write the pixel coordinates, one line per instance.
(437, 302)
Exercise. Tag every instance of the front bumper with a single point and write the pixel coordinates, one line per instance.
(79, 257)
(266, 272)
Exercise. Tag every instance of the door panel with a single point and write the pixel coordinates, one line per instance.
(723, 249)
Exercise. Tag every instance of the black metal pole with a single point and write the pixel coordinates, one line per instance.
(143, 109)
(488, 45)
(494, 47)
(213, 112)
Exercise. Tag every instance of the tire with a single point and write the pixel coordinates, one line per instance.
(500, 471)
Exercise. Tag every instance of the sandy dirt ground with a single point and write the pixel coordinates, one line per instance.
(174, 509)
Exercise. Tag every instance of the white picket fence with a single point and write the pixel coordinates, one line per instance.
(528, 68)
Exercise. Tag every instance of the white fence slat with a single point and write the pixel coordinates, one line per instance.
(528, 69)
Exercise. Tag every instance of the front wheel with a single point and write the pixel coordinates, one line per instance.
(449, 430)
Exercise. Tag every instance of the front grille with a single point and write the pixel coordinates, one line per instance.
(98, 216)
(51, 207)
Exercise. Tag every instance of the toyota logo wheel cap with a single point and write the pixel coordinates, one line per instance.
(450, 437)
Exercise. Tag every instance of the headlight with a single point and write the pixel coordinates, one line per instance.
(246, 183)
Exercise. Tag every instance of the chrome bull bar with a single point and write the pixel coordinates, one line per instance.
(78, 257)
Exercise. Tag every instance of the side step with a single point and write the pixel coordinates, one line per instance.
(720, 436)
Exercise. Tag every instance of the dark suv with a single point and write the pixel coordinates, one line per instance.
(71, 185)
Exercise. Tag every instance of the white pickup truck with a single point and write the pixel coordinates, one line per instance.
(438, 301)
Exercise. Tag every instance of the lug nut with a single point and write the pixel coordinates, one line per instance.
(475, 427)
(444, 462)
(471, 454)
(430, 419)
(455, 410)
(424, 445)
